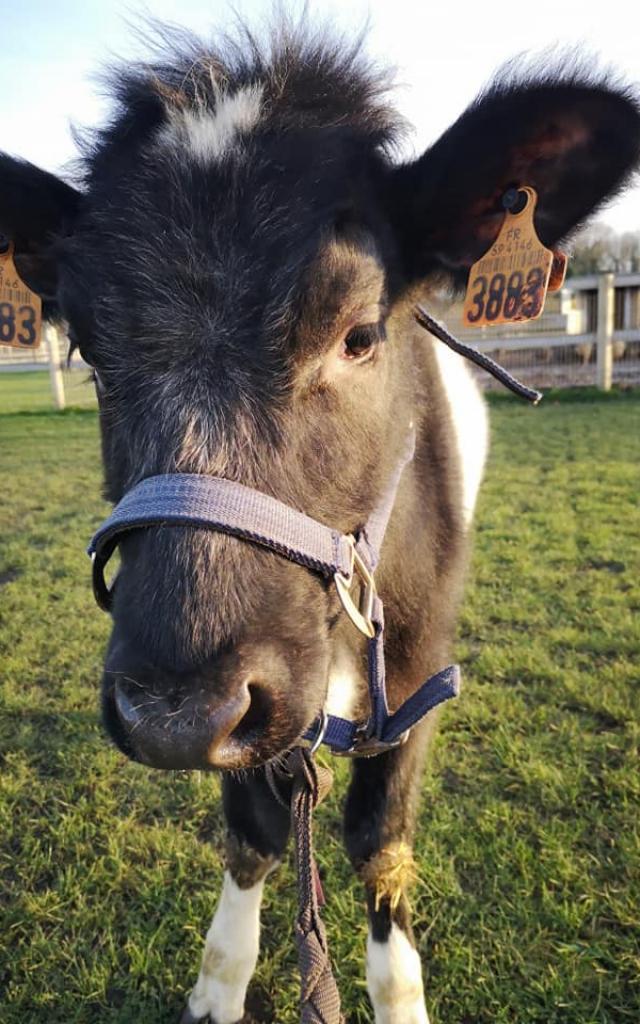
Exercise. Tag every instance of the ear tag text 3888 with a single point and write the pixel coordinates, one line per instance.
(20, 308)
(510, 282)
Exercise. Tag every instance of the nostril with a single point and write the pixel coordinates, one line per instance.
(257, 715)
(188, 725)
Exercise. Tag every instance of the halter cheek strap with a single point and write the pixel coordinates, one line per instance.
(202, 502)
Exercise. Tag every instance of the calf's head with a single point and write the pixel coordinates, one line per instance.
(238, 266)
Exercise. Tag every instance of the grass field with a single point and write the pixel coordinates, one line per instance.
(527, 907)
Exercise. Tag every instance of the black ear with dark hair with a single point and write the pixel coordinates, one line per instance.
(576, 143)
(36, 209)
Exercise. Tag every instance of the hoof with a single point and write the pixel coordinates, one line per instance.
(188, 1018)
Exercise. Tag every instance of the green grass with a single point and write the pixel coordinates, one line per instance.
(527, 908)
(29, 391)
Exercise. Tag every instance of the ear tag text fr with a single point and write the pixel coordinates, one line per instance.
(20, 308)
(510, 282)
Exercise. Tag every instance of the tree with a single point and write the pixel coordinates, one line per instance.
(599, 248)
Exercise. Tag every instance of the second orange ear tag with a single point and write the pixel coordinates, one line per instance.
(20, 308)
(510, 282)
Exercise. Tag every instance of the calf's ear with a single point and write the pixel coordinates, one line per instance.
(575, 142)
(36, 210)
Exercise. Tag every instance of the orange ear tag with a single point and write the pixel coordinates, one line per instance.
(510, 282)
(20, 308)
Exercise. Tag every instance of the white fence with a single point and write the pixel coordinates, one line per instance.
(52, 355)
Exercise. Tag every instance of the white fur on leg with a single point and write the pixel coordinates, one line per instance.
(394, 980)
(230, 954)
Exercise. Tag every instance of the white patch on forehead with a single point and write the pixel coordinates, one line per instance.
(211, 135)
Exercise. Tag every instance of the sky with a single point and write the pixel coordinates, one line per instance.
(443, 51)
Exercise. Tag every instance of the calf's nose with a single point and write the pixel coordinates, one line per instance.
(184, 731)
(191, 727)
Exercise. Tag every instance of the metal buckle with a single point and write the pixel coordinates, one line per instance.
(360, 614)
(364, 746)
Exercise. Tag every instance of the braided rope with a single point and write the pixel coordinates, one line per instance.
(309, 784)
(479, 358)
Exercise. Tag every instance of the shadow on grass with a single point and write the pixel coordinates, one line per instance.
(36, 732)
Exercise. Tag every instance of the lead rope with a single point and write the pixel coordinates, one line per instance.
(479, 358)
(309, 784)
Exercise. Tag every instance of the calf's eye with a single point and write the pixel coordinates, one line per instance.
(361, 342)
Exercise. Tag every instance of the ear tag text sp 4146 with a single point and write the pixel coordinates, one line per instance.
(510, 282)
(20, 308)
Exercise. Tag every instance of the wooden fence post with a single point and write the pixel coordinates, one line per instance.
(606, 303)
(55, 368)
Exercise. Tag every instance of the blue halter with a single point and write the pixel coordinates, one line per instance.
(183, 499)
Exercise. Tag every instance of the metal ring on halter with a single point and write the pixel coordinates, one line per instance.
(360, 613)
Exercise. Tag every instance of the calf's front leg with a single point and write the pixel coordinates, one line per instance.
(258, 832)
(379, 825)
